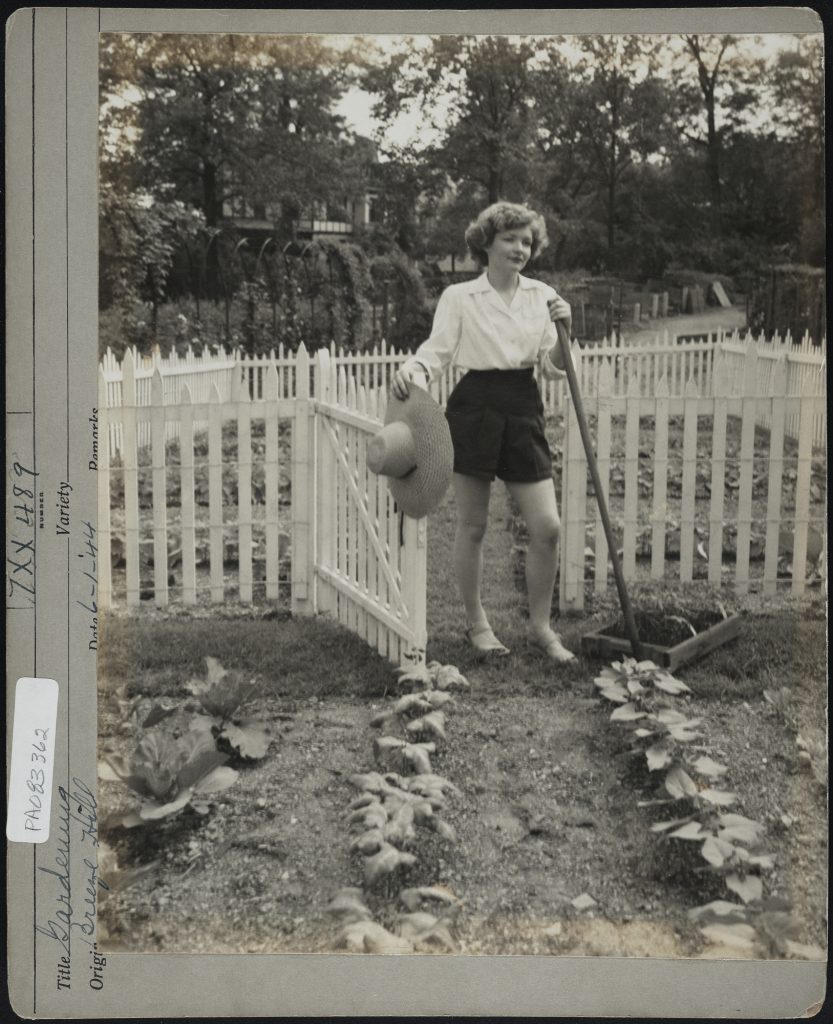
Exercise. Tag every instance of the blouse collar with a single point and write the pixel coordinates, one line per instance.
(483, 284)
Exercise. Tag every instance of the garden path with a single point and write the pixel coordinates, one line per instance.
(712, 320)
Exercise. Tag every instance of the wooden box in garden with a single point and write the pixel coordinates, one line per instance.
(607, 645)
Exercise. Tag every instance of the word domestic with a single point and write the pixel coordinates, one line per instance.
(93, 463)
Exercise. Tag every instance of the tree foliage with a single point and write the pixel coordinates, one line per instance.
(643, 152)
(229, 118)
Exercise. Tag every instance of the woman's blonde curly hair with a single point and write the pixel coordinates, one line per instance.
(499, 217)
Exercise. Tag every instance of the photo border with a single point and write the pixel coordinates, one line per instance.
(52, 390)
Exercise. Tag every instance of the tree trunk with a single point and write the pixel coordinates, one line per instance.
(707, 81)
(212, 211)
(713, 142)
(210, 198)
(494, 184)
(611, 180)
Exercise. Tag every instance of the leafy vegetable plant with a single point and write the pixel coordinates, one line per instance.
(433, 676)
(645, 696)
(394, 803)
(766, 929)
(169, 774)
(221, 693)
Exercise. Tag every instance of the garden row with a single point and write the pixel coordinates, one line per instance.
(665, 740)
(392, 820)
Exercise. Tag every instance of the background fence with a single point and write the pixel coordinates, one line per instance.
(677, 360)
(242, 478)
(695, 482)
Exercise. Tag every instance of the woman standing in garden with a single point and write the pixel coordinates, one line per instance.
(497, 328)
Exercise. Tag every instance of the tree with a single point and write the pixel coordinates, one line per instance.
(474, 95)
(726, 88)
(139, 240)
(214, 119)
(619, 112)
(407, 190)
(797, 80)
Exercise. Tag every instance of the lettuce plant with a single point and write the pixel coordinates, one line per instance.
(221, 694)
(169, 774)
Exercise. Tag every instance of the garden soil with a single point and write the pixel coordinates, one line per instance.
(548, 804)
(547, 812)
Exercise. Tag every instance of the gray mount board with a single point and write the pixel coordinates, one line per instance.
(51, 375)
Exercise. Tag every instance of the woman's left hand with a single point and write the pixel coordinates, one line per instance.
(560, 310)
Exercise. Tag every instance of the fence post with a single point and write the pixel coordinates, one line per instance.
(303, 489)
(659, 495)
(778, 391)
(574, 505)
(241, 398)
(605, 388)
(186, 499)
(414, 588)
(631, 503)
(804, 458)
(720, 391)
(215, 494)
(325, 595)
(689, 480)
(103, 476)
(131, 479)
(749, 404)
(271, 472)
(160, 504)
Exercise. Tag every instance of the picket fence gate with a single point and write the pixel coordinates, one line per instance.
(353, 556)
(754, 397)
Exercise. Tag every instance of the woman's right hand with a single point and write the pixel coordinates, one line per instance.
(401, 384)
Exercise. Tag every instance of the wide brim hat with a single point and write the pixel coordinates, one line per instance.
(413, 450)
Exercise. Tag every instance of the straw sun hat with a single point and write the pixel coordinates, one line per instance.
(414, 451)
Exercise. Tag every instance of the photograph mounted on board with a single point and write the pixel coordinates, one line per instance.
(325, 725)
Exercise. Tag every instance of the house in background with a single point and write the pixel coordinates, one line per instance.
(458, 265)
(324, 220)
(333, 220)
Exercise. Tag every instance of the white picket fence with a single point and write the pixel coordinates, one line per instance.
(662, 356)
(370, 562)
(737, 385)
(311, 524)
(351, 554)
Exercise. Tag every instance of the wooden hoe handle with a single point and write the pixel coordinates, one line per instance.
(624, 600)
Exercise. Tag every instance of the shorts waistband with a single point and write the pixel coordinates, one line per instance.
(508, 375)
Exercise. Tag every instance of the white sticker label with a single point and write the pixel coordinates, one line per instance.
(33, 758)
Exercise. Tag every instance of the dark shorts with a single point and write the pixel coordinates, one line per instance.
(496, 418)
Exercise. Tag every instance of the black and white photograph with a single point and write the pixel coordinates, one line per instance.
(462, 494)
(416, 545)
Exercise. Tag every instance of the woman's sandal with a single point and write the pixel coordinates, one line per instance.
(553, 649)
(484, 640)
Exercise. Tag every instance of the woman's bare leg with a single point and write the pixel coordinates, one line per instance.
(539, 508)
(472, 495)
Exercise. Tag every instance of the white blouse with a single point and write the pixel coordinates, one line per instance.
(474, 328)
